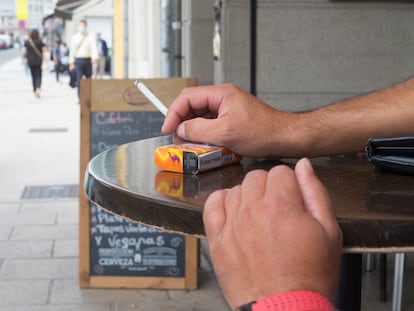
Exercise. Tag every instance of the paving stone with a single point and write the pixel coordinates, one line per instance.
(5, 232)
(66, 291)
(66, 212)
(68, 217)
(41, 269)
(25, 249)
(28, 219)
(207, 297)
(9, 208)
(49, 206)
(46, 232)
(24, 292)
(66, 248)
(208, 292)
(14, 188)
(70, 307)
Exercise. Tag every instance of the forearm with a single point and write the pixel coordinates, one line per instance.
(346, 126)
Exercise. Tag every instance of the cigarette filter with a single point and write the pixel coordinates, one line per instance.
(191, 158)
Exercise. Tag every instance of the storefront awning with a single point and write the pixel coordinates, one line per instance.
(65, 8)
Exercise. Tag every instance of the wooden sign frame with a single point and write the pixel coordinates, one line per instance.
(121, 95)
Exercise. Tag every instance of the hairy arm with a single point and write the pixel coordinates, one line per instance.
(346, 126)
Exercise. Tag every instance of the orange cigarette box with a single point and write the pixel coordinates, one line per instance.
(192, 158)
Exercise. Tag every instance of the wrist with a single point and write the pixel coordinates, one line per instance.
(293, 300)
(292, 136)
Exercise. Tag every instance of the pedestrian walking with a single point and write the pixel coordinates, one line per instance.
(102, 48)
(57, 59)
(33, 51)
(82, 54)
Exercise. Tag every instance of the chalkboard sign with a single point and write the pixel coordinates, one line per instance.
(117, 252)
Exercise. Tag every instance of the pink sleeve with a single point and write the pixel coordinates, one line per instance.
(294, 301)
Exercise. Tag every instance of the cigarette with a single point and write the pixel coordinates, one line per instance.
(152, 98)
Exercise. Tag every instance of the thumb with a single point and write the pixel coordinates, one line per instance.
(200, 130)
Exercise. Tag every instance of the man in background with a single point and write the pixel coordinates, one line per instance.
(103, 53)
(83, 53)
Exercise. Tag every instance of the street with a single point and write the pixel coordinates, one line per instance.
(8, 54)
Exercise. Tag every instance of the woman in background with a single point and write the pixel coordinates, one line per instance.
(33, 49)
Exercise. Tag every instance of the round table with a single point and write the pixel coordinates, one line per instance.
(374, 209)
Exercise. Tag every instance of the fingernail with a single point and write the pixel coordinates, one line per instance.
(181, 131)
(308, 165)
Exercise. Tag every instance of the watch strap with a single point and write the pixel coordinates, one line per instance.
(246, 307)
(290, 301)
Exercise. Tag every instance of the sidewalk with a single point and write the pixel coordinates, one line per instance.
(39, 236)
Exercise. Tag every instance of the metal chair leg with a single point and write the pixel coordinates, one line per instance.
(398, 281)
(370, 262)
(383, 277)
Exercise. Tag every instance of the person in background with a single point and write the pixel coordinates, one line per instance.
(103, 54)
(64, 52)
(57, 58)
(277, 229)
(24, 56)
(33, 51)
(82, 53)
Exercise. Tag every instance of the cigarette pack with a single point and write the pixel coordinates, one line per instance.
(192, 158)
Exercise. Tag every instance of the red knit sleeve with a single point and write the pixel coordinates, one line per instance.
(294, 301)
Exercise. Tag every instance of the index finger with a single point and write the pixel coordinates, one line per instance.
(315, 196)
(192, 102)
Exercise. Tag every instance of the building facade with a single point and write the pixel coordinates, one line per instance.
(18, 15)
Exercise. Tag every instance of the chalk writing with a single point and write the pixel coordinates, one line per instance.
(110, 129)
(104, 118)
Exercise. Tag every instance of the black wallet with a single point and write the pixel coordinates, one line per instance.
(394, 154)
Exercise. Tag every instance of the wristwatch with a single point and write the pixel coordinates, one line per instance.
(293, 300)
(246, 307)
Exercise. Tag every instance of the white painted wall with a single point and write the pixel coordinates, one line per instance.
(197, 40)
(143, 42)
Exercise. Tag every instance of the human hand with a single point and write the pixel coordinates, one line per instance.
(276, 232)
(227, 116)
(71, 67)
